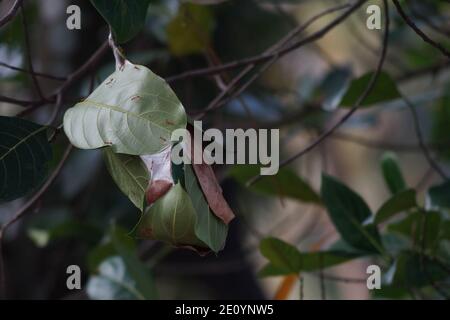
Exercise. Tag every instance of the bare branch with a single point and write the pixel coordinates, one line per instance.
(24, 209)
(422, 144)
(28, 54)
(37, 74)
(355, 107)
(417, 30)
(11, 13)
(268, 54)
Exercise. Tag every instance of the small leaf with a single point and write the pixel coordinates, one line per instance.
(348, 211)
(285, 183)
(384, 90)
(400, 202)
(286, 259)
(134, 111)
(392, 173)
(412, 228)
(209, 184)
(24, 157)
(189, 32)
(130, 175)
(125, 17)
(208, 228)
(439, 195)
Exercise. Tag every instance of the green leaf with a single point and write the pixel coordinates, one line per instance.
(130, 175)
(348, 211)
(416, 271)
(171, 219)
(24, 157)
(392, 173)
(400, 202)
(286, 259)
(125, 17)
(189, 32)
(209, 229)
(134, 111)
(122, 276)
(384, 90)
(412, 228)
(440, 195)
(285, 183)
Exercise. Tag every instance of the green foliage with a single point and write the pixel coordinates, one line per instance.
(285, 183)
(130, 175)
(392, 173)
(286, 259)
(126, 18)
(385, 89)
(402, 201)
(209, 229)
(349, 213)
(24, 157)
(130, 104)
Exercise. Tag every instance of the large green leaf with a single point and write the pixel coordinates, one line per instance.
(384, 90)
(209, 228)
(392, 173)
(285, 183)
(400, 202)
(130, 175)
(349, 212)
(24, 157)
(171, 219)
(122, 276)
(134, 111)
(286, 259)
(125, 17)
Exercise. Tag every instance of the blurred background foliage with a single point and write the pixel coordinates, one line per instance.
(366, 195)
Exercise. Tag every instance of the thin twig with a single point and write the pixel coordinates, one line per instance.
(11, 13)
(216, 103)
(354, 108)
(37, 74)
(24, 209)
(419, 32)
(261, 58)
(422, 144)
(29, 55)
(90, 65)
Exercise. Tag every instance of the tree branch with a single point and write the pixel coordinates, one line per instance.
(11, 13)
(24, 209)
(417, 30)
(355, 107)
